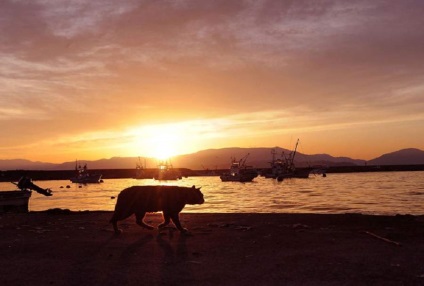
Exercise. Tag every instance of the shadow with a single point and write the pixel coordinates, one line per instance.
(162, 255)
(99, 264)
(117, 269)
(132, 248)
(175, 264)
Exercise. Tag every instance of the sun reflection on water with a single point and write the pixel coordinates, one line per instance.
(368, 193)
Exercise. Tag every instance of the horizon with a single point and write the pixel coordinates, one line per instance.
(107, 79)
(188, 154)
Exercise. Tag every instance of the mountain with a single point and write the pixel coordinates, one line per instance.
(220, 159)
(409, 156)
(21, 164)
(206, 159)
(257, 157)
(112, 163)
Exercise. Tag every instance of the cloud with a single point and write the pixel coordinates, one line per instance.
(81, 67)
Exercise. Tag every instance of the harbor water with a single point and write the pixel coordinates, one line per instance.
(384, 193)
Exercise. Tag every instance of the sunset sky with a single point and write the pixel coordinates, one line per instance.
(102, 78)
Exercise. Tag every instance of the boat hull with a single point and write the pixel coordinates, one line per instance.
(238, 178)
(14, 201)
(298, 173)
(90, 179)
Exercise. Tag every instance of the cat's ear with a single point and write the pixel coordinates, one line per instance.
(193, 187)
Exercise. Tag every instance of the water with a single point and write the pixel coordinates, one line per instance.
(386, 193)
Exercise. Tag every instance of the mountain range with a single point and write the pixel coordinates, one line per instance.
(221, 158)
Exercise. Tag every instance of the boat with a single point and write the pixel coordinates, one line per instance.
(140, 170)
(17, 200)
(319, 170)
(166, 172)
(277, 167)
(284, 167)
(84, 177)
(239, 171)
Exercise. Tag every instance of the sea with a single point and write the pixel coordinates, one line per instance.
(379, 193)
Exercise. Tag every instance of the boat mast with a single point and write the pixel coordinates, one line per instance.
(273, 152)
(293, 154)
(243, 160)
(295, 149)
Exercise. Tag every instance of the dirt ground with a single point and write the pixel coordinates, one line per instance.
(58, 247)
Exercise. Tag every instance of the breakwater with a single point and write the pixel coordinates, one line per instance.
(37, 175)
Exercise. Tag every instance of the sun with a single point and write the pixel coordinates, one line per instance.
(164, 146)
(160, 141)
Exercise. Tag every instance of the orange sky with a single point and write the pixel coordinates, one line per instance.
(97, 79)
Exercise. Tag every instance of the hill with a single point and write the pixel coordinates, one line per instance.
(206, 159)
(22, 164)
(258, 157)
(410, 156)
(220, 159)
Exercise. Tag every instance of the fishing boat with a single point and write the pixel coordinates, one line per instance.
(140, 170)
(277, 167)
(319, 170)
(166, 172)
(239, 171)
(84, 177)
(284, 167)
(17, 200)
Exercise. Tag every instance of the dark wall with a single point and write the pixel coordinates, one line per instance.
(14, 175)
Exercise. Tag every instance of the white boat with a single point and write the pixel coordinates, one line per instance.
(239, 171)
(17, 200)
(84, 177)
(167, 172)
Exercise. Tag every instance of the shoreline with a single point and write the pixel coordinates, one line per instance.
(60, 247)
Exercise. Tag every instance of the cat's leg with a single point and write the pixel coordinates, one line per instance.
(117, 217)
(115, 227)
(176, 220)
(167, 219)
(139, 216)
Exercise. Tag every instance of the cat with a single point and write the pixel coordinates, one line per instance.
(139, 200)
